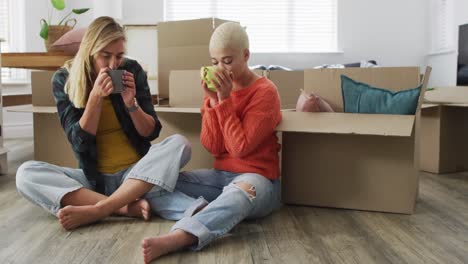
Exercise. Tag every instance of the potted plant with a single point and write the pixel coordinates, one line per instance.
(50, 33)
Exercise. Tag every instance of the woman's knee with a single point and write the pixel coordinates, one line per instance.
(182, 143)
(175, 142)
(25, 173)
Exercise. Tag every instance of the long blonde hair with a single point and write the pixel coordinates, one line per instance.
(100, 33)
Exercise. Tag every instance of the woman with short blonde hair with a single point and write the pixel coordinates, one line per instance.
(238, 128)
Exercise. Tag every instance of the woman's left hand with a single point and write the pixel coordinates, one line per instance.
(128, 95)
(223, 84)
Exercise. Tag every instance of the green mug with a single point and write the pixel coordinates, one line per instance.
(207, 74)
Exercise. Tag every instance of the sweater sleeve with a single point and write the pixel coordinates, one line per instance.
(262, 115)
(211, 136)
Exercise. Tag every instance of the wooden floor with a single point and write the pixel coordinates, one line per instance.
(436, 233)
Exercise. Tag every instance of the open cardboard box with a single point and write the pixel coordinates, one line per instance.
(354, 161)
(444, 138)
(50, 142)
(444, 130)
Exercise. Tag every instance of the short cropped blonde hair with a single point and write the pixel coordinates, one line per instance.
(229, 35)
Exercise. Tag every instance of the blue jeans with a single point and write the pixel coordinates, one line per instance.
(224, 204)
(45, 184)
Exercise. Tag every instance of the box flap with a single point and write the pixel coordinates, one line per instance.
(170, 109)
(33, 109)
(456, 105)
(424, 106)
(327, 82)
(188, 110)
(289, 84)
(447, 95)
(347, 123)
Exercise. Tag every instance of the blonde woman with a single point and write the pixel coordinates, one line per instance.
(238, 128)
(120, 171)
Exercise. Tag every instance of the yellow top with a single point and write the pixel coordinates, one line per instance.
(114, 150)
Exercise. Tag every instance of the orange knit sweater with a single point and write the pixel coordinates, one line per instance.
(240, 131)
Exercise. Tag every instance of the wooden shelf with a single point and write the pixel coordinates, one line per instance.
(49, 61)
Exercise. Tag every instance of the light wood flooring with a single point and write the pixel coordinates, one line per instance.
(436, 233)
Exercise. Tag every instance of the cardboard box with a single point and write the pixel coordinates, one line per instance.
(187, 122)
(353, 161)
(50, 142)
(289, 84)
(444, 140)
(447, 95)
(183, 45)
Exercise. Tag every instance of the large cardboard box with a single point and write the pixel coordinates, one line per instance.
(50, 142)
(183, 45)
(444, 138)
(444, 130)
(354, 161)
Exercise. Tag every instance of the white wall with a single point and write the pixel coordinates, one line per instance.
(391, 32)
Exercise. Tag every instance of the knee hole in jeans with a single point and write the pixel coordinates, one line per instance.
(248, 188)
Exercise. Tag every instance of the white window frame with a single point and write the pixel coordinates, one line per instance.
(442, 26)
(337, 48)
(16, 40)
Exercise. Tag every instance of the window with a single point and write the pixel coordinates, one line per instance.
(12, 32)
(272, 25)
(442, 26)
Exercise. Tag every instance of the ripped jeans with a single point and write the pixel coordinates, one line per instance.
(221, 202)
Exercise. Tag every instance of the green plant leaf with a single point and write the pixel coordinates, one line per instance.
(44, 30)
(80, 11)
(58, 4)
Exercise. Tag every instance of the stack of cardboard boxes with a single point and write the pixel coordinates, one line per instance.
(354, 161)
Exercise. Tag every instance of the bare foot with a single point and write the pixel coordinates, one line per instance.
(71, 217)
(155, 247)
(138, 209)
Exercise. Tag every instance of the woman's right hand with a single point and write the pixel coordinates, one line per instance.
(103, 84)
(212, 95)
